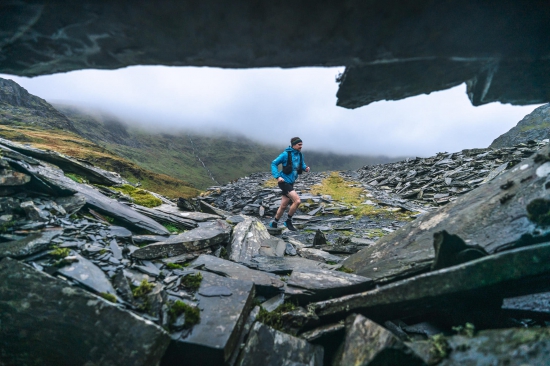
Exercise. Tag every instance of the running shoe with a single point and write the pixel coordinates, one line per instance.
(289, 225)
(273, 224)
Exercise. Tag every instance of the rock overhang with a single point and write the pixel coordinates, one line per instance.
(391, 50)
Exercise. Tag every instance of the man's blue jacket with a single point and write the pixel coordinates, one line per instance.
(283, 159)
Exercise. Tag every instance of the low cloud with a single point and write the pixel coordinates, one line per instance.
(272, 105)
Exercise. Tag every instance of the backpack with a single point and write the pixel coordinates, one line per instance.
(287, 169)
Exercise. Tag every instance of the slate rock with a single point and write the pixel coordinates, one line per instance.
(266, 283)
(494, 277)
(75, 327)
(31, 244)
(513, 346)
(285, 265)
(217, 232)
(71, 204)
(215, 338)
(273, 247)
(247, 240)
(367, 343)
(11, 178)
(479, 218)
(166, 214)
(88, 275)
(325, 284)
(184, 204)
(319, 255)
(269, 347)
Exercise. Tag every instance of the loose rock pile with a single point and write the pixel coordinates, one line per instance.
(107, 283)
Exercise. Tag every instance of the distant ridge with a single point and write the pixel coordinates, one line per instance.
(19, 107)
(534, 126)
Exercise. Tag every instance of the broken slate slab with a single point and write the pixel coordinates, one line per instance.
(75, 326)
(200, 238)
(490, 217)
(88, 274)
(367, 343)
(248, 237)
(273, 247)
(51, 180)
(325, 284)
(511, 273)
(514, 346)
(269, 347)
(319, 255)
(285, 265)
(31, 244)
(266, 283)
(214, 339)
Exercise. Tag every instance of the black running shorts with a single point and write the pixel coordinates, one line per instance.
(285, 187)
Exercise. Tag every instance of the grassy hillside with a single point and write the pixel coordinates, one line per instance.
(76, 146)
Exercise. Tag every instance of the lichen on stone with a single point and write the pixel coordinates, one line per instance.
(108, 297)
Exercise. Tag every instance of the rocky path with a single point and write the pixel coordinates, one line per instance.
(426, 261)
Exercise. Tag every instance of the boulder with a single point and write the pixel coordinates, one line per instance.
(483, 281)
(217, 232)
(31, 244)
(75, 327)
(367, 343)
(248, 237)
(266, 283)
(88, 275)
(269, 347)
(215, 338)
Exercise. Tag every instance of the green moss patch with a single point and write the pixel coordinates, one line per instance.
(77, 178)
(140, 196)
(192, 281)
(274, 318)
(192, 314)
(176, 266)
(60, 252)
(539, 211)
(143, 289)
(108, 297)
(468, 330)
(171, 228)
(345, 269)
(439, 347)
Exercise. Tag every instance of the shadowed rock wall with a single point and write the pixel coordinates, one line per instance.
(393, 49)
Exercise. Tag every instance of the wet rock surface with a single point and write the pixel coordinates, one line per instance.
(418, 268)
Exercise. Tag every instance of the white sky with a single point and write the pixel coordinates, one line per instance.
(273, 105)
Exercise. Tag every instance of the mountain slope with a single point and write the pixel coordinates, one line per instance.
(534, 126)
(182, 154)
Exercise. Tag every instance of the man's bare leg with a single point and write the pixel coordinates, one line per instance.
(284, 203)
(292, 195)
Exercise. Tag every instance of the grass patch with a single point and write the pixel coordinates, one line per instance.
(75, 177)
(6, 226)
(192, 313)
(140, 196)
(176, 266)
(270, 183)
(171, 228)
(439, 347)
(468, 330)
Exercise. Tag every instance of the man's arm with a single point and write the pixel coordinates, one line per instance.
(304, 166)
(274, 165)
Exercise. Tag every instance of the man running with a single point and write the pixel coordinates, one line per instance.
(286, 179)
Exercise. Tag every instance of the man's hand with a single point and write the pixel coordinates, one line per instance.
(307, 169)
(280, 179)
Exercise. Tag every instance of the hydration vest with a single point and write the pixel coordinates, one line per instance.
(287, 169)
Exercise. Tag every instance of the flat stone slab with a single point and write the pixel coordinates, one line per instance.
(213, 340)
(88, 274)
(319, 255)
(266, 283)
(513, 346)
(492, 217)
(51, 180)
(197, 239)
(285, 265)
(367, 343)
(325, 284)
(248, 237)
(165, 217)
(64, 324)
(190, 215)
(534, 303)
(269, 347)
(31, 244)
(512, 273)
